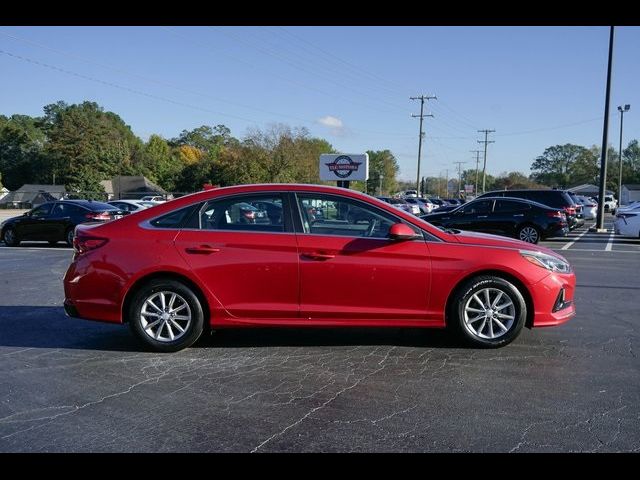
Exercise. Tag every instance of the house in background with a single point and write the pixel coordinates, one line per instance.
(31, 195)
(132, 187)
(630, 193)
(3, 192)
(588, 190)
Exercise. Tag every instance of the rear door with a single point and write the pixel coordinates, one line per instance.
(508, 215)
(249, 264)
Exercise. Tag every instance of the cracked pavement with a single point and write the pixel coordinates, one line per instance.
(68, 385)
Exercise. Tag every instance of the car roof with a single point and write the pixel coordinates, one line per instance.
(90, 204)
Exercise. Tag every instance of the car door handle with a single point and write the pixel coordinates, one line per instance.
(202, 250)
(519, 215)
(482, 216)
(318, 255)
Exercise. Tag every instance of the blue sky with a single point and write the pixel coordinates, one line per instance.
(536, 86)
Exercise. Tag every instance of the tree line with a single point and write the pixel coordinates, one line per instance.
(79, 145)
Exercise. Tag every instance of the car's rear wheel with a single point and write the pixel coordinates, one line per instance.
(529, 234)
(488, 311)
(10, 238)
(166, 315)
(69, 237)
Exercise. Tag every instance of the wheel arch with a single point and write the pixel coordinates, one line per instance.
(497, 273)
(139, 283)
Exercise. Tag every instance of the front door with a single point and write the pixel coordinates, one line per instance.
(351, 270)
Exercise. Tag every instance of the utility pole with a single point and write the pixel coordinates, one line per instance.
(484, 166)
(605, 131)
(622, 110)
(422, 98)
(477, 152)
(446, 182)
(459, 176)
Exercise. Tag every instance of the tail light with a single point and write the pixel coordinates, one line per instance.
(83, 243)
(97, 216)
(570, 210)
(557, 214)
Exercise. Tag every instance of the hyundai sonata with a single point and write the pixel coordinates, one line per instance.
(196, 263)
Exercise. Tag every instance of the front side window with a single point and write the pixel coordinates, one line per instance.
(329, 215)
(247, 213)
(480, 207)
(41, 211)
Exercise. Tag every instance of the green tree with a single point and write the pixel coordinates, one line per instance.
(162, 163)
(553, 167)
(383, 164)
(84, 140)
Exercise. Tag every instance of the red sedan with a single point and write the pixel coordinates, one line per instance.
(199, 262)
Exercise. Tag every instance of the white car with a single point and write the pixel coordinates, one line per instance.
(627, 223)
(131, 205)
(589, 207)
(153, 198)
(630, 206)
(610, 203)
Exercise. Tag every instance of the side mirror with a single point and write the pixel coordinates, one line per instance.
(400, 231)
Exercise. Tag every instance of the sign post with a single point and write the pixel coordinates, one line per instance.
(343, 168)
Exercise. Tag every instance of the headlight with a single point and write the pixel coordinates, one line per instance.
(549, 262)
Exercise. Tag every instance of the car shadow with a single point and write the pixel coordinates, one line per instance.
(49, 327)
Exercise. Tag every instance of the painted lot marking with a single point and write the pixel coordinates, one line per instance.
(568, 245)
(609, 243)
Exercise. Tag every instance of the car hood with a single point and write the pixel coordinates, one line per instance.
(11, 219)
(488, 240)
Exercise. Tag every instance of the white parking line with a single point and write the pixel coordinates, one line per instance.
(609, 243)
(568, 245)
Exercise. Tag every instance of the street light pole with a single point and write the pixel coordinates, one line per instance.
(621, 110)
(605, 130)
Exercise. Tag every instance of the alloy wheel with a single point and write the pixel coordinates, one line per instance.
(489, 313)
(529, 235)
(165, 316)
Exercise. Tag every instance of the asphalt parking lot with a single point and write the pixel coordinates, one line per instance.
(73, 385)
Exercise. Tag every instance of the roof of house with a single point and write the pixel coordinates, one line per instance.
(34, 193)
(632, 186)
(131, 184)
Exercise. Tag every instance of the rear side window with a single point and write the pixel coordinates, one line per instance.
(251, 213)
(173, 219)
(508, 206)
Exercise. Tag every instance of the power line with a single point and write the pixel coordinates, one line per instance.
(422, 98)
(484, 166)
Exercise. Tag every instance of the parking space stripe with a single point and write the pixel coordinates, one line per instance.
(568, 245)
(609, 243)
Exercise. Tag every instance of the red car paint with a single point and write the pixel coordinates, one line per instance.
(263, 278)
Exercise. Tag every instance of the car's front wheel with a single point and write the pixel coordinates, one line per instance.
(166, 315)
(488, 311)
(10, 238)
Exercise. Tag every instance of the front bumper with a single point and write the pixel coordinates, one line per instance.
(553, 299)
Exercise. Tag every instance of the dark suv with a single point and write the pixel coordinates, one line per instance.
(559, 199)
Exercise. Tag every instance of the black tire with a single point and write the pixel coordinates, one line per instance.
(10, 238)
(475, 332)
(192, 330)
(529, 233)
(68, 236)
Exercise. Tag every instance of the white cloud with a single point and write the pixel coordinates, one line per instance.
(334, 124)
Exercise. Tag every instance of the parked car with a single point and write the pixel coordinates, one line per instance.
(437, 202)
(627, 223)
(154, 198)
(171, 270)
(424, 207)
(551, 198)
(577, 205)
(610, 203)
(629, 208)
(401, 204)
(589, 207)
(409, 193)
(55, 221)
(130, 206)
(513, 217)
